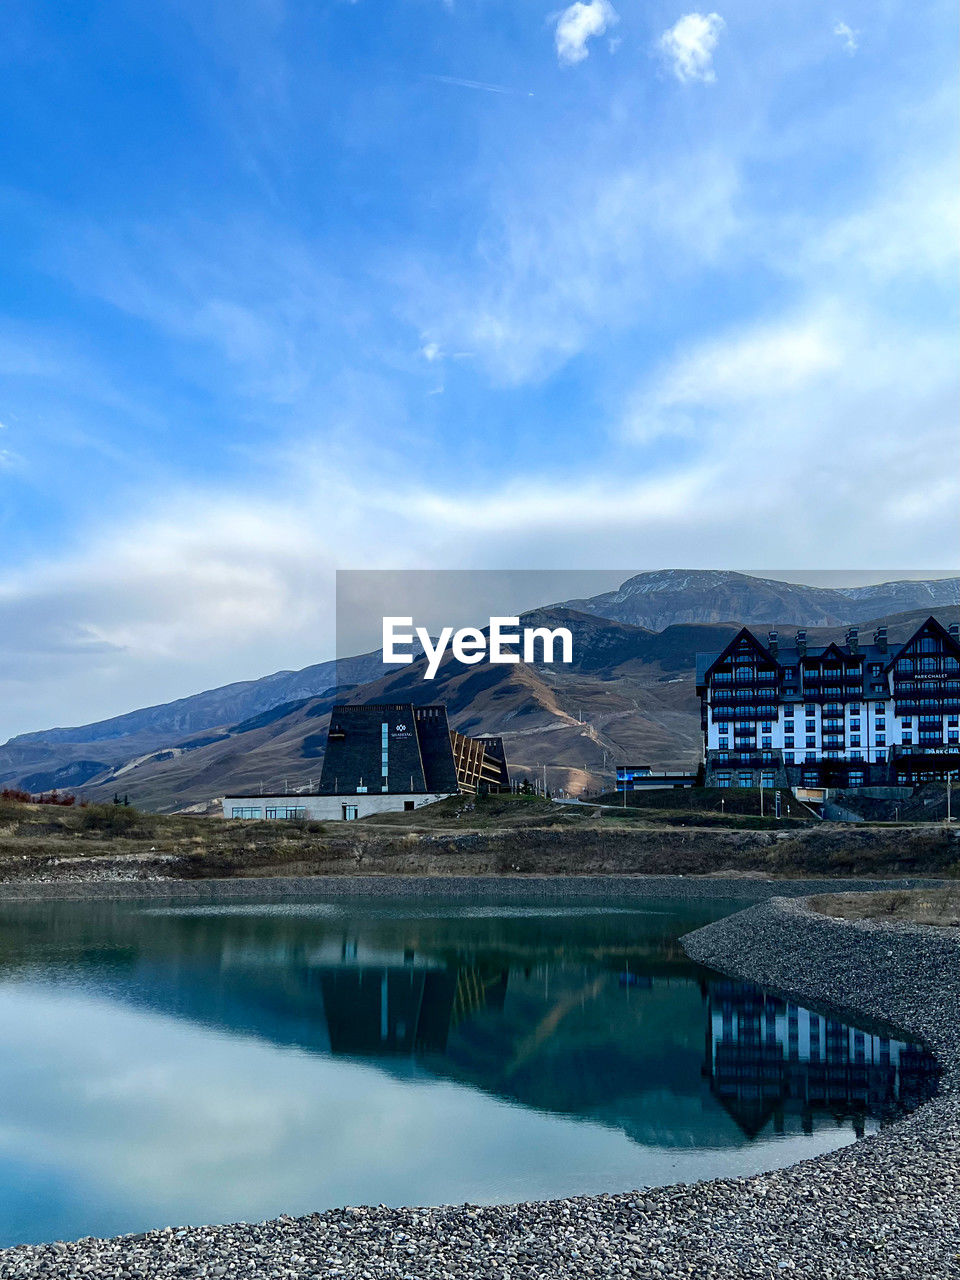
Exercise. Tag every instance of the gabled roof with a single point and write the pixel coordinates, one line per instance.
(931, 627)
(832, 649)
(743, 634)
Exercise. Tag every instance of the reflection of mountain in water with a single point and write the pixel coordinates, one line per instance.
(599, 1017)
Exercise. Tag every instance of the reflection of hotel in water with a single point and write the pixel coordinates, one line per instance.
(768, 1058)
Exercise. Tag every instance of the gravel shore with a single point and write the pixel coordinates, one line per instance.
(748, 888)
(887, 1206)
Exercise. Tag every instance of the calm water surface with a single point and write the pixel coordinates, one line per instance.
(185, 1064)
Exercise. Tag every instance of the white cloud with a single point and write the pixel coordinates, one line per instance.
(832, 401)
(578, 24)
(773, 360)
(690, 43)
(848, 36)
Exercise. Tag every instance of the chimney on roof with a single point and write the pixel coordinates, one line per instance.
(853, 639)
(802, 642)
(773, 642)
(880, 639)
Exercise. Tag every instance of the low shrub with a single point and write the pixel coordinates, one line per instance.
(112, 818)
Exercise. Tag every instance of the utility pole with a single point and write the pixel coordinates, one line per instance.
(949, 779)
(761, 799)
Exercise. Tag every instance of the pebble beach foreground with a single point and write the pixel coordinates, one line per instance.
(886, 1206)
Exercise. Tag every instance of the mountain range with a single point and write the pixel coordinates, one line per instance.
(658, 600)
(628, 697)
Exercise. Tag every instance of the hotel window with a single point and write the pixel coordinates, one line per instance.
(745, 779)
(810, 757)
(766, 742)
(244, 811)
(881, 757)
(766, 756)
(953, 737)
(286, 813)
(811, 726)
(854, 726)
(767, 778)
(811, 741)
(854, 740)
(723, 779)
(788, 757)
(856, 755)
(855, 778)
(881, 723)
(723, 755)
(788, 742)
(881, 740)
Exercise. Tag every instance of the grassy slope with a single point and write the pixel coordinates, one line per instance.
(501, 835)
(915, 906)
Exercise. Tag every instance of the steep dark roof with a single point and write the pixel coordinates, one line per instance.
(419, 755)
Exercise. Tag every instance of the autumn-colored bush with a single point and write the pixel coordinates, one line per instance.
(65, 799)
(19, 797)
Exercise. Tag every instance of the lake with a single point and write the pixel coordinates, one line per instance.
(168, 1063)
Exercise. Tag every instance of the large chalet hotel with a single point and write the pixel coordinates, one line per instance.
(785, 713)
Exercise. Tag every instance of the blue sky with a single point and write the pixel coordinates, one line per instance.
(289, 287)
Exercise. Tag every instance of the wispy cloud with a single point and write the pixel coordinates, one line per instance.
(461, 83)
(546, 272)
(689, 46)
(579, 24)
(848, 36)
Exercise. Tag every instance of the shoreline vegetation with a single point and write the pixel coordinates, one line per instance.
(509, 835)
(937, 907)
